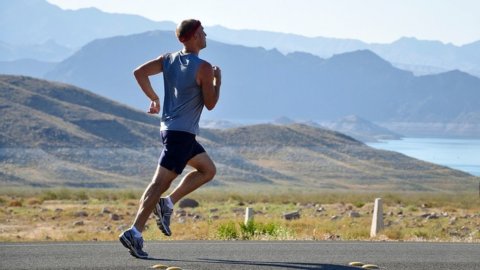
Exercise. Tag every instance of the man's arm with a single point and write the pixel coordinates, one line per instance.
(141, 75)
(209, 78)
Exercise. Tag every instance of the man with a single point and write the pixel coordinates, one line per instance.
(190, 84)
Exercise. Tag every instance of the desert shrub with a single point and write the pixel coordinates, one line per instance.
(251, 230)
(227, 231)
(15, 203)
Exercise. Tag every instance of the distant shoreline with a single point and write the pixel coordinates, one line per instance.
(460, 154)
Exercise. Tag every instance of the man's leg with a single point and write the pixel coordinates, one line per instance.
(160, 183)
(204, 171)
(132, 238)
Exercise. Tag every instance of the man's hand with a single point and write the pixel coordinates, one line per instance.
(217, 75)
(154, 107)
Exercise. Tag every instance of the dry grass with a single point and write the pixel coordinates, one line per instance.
(86, 215)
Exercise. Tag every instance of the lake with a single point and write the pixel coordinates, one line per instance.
(459, 154)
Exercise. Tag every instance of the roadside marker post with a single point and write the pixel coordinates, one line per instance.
(248, 215)
(377, 219)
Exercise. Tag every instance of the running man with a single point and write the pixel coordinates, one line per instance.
(190, 84)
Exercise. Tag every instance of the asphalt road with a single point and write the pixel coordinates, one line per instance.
(242, 255)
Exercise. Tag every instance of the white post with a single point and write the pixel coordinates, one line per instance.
(377, 220)
(248, 215)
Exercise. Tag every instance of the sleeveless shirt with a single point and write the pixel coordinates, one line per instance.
(183, 100)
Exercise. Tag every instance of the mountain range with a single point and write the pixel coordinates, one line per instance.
(262, 84)
(49, 33)
(419, 56)
(54, 134)
(314, 89)
(42, 23)
(362, 129)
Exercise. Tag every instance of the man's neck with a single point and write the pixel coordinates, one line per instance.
(190, 50)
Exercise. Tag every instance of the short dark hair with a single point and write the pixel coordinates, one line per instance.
(186, 29)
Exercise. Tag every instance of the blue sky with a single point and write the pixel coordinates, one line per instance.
(382, 21)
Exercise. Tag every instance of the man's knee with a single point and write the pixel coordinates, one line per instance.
(209, 171)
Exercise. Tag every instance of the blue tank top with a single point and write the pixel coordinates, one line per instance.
(183, 100)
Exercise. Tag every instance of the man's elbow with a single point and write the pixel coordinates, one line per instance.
(210, 106)
(137, 72)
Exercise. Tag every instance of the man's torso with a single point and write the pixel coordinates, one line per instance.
(183, 100)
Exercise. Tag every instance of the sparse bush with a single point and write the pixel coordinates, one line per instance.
(48, 195)
(81, 195)
(64, 194)
(359, 204)
(15, 203)
(256, 229)
(130, 195)
(421, 234)
(34, 201)
(357, 233)
(412, 208)
(476, 235)
(227, 231)
(394, 233)
(248, 231)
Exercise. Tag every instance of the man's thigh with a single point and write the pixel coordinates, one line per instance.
(202, 162)
(163, 174)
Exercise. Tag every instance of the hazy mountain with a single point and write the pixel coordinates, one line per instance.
(49, 33)
(28, 67)
(420, 56)
(286, 43)
(351, 125)
(53, 134)
(362, 129)
(49, 51)
(431, 54)
(260, 85)
(42, 27)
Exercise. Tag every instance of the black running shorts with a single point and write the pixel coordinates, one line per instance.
(178, 148)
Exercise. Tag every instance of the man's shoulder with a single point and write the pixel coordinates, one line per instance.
(204, 62)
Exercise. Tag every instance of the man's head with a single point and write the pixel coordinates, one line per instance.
(189, 30)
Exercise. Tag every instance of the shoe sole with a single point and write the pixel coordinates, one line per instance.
(160, 224)
(126, 243)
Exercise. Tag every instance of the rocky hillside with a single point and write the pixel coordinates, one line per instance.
(54, 134)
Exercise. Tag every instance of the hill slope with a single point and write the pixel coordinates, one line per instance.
(54, 134)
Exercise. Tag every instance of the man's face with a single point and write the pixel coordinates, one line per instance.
(202, 37)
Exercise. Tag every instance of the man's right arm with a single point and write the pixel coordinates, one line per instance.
(141, 75)
(209, 78)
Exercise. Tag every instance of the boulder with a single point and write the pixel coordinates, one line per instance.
(291, 215)
(188, 203)
(81, 214)
(354, 214)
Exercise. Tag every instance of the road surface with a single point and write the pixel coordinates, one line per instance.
(251, 255)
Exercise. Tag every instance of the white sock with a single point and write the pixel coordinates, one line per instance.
(136, 232)
(169, 202)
